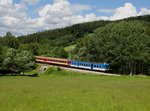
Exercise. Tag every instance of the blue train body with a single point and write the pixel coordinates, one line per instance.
(90, 66)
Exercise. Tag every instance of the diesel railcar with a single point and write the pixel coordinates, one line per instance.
(90, 66)
(76, 64)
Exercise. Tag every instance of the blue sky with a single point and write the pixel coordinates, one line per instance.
(96, 4)
(22, 17)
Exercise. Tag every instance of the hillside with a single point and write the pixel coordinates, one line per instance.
(124, 44)
(64, 37)
(72, 33)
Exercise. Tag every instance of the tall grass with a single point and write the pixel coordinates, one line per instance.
(65, 91)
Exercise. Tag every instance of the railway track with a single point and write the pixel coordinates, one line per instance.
(85, 71)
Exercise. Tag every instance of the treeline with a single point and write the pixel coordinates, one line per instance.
(69, 35)
(47, 42)
(13, 59)
(123, 43)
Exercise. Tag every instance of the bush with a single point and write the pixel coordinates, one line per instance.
(51, 70)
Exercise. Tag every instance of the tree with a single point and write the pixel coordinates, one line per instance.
(58, 52)
(125, 45)
(32, 47)
(1, 58)
(24, 61)
(18, 62)
(9, 62)
(10, 41)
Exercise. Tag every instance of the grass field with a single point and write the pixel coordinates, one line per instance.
(74, 93)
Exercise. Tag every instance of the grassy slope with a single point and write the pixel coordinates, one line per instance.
(69, 48)
(74, 93)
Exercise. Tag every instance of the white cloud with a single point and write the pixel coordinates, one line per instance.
(6, 2)
(62, 8)
(60, 13)
(21, 6)
(128, 10)
(57, 9)
(14, 19)
(6, 7)
(144, 11)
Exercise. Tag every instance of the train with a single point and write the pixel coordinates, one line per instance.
(74, 64)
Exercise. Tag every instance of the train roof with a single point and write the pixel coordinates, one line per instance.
(90, 62)
(50, 58)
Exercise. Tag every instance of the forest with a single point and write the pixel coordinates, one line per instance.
(124, 44)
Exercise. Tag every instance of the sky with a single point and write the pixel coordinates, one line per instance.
(22, 17)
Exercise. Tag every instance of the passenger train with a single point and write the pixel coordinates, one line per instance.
(75, 64)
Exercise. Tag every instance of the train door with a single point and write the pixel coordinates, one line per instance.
(68, 63)
(91, 66)
(78, 64)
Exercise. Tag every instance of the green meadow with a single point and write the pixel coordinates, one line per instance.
(69, 91)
